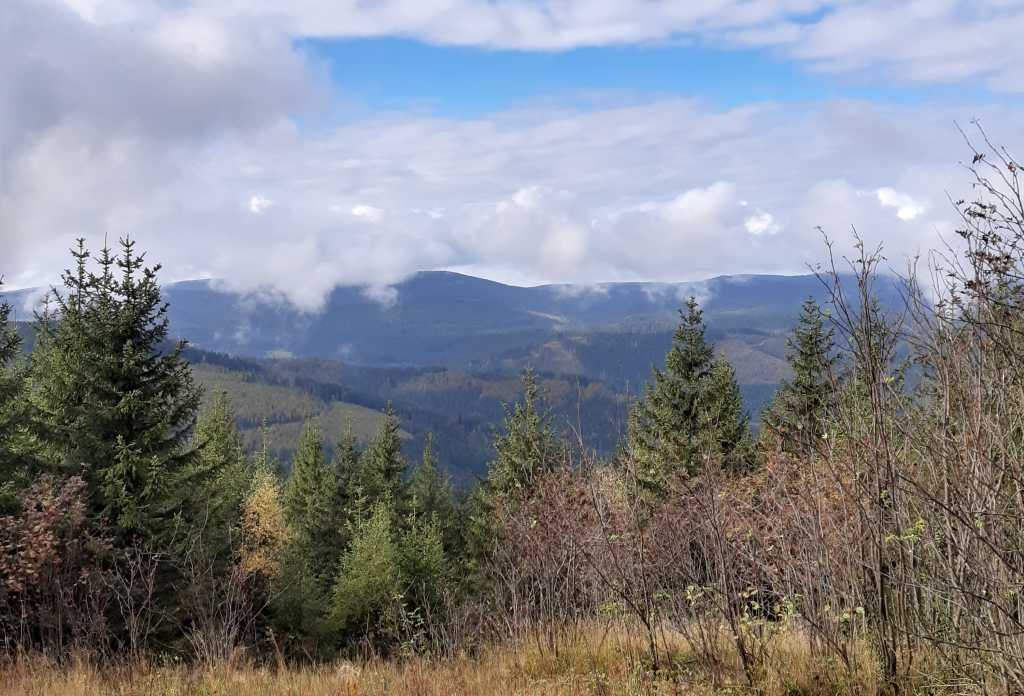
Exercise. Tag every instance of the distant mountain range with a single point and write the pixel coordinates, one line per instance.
(443, 318)
(447, 349)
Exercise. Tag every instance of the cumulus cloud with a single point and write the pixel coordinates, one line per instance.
(176, 126)
(906, 207)
(761, 223)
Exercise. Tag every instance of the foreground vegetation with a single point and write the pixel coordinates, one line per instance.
(870, 539)
(597, 658)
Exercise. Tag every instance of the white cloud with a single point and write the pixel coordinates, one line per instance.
(381, 294)
(368, 212)
(761, 223)
(258, 204)
(906, 207)
(668, 189)
(924, 41)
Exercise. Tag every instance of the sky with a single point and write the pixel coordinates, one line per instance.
(290, 147)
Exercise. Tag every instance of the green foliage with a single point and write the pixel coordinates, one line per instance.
(528, 446)
(369, 578)
(111, 399)
(692, 410)
(423, 562)
(724, 421)
(429, 490)
(13, 472)
(310, 500)
(382, 464)
(221, 460)
(297, 600)
(801, 405)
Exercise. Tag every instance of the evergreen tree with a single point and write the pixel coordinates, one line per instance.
(430, 491)
(423, 563)
(691, 410)
(797, 414)
(382, 464)
(431, 500)
(310, 502)
(525, 449)
(13, 473)
(528, 446)
(112, 400)
(369, 578)
(220, 456)
(724, 422)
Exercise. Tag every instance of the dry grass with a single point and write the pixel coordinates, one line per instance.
(597, 660)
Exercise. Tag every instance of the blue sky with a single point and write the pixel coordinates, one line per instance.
(402, 74)
(294, 146)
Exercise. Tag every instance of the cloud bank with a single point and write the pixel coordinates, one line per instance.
(182, 127)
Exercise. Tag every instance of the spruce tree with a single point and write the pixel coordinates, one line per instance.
(220, 457)
(349, 505)
(382, 464)
(691, 410)
(526, 448)
(724, 423)
(112, 399)
(369, 578)
(311, 505)
(430, 491)
(430, 499)
(528, 445)
(423, 563)
(13, 474)
(800, 408)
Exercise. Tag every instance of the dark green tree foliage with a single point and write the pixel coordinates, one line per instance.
(430, 491)
(528, 445)
(347, 502)
(382, 464)
(13, 474)
(690, 411)
(221, 458)
(800, 408)
(431, 501)
(310, 500)
(526, 448)
(112, 399)
(724, 420)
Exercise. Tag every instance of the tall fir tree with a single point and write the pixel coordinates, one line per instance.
(723, 419)
(220, 457)
(13, 445)
(431, 500)
(430, 491)
(348, 502)
(112, 398)
(526, 448)
(369, 577)
(528, 445)
(381, 466)
(798, 413)
(691, 410)
(310, 500)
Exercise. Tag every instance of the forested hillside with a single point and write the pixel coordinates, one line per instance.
(450, 349)
(461, 410)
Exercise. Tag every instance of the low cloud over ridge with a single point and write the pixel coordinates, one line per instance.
(179, 129)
